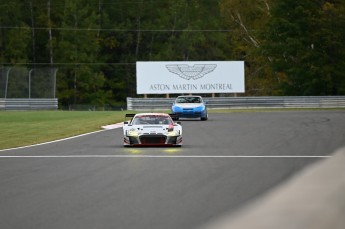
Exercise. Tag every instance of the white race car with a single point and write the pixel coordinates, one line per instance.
(152, 129)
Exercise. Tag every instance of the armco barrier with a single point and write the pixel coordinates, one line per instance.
(244, 102)
(29, 104)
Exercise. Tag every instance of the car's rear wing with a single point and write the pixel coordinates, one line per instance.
(130, 115)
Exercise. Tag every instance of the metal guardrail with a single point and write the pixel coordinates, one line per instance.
(213, 103)
(244, 102)
(28, 104)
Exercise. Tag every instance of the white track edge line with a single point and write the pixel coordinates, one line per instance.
(156, 156)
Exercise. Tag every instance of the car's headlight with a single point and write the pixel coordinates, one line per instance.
(176, 108)
(200, 108)
(173, 133)
(132, 133)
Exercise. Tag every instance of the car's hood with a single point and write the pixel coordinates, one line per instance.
(188, 105)
(153, 129)
(148, 129)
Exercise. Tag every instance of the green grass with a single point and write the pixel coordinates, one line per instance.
(31, 127)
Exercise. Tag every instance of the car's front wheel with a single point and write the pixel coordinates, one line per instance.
(204, 118)
(176, 118)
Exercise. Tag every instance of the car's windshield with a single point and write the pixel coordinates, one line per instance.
(188, 100)
(151, 119)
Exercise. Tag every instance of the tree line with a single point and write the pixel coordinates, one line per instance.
(290, 47)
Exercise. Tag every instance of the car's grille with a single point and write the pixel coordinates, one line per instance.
(172, 140)
(133, 140)
(191, 114)
(152, 139)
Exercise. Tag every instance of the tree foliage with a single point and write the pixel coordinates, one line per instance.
(246, 19)
(304, 41)
(290, 47)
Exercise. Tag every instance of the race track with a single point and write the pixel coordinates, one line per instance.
(93, 182)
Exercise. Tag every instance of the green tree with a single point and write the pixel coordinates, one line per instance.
(195, 31)
(14, 33)
(329, 50)
(245, 20)
(304, 41)
(82, 81)
(159, 31)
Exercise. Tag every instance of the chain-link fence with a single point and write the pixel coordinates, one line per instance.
(20, 82)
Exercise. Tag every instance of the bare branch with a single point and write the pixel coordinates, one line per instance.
(252, 39)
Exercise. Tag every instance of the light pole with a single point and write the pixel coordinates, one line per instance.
(8, 72)
(30, 83)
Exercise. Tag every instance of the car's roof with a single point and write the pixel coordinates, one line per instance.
(154, 114)
(189, 96)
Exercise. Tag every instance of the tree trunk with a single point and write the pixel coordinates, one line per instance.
(50, 36)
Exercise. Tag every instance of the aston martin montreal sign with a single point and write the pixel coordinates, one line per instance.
(190, 77)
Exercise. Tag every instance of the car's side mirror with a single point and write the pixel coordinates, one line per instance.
(178, 123)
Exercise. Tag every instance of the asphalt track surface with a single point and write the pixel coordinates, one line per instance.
(227, 161)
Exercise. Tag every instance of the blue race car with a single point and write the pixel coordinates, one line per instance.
(189, 106)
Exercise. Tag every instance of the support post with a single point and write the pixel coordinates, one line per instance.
(7, 74)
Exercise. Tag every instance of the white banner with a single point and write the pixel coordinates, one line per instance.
(182, 77)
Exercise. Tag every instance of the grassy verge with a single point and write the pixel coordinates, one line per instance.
(32, 127)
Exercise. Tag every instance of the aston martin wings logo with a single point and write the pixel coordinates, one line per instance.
(191, 72)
